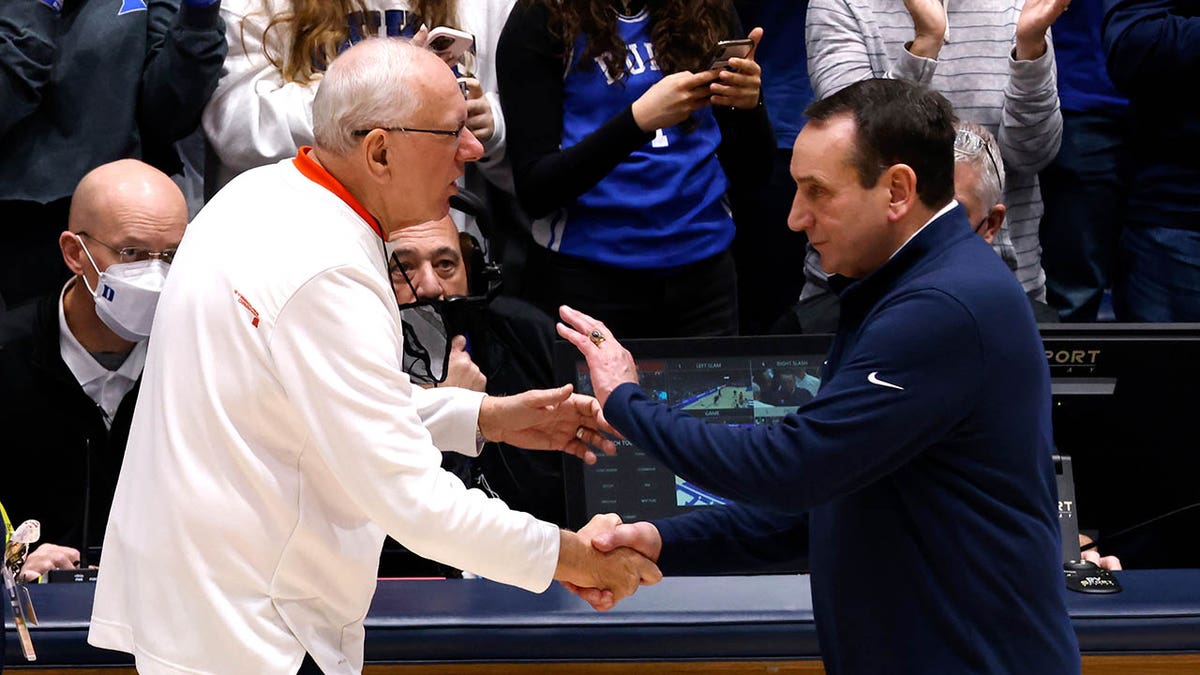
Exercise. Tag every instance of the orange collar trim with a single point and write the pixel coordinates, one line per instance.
(317, 174)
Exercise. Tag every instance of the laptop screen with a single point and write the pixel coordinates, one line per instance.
(738, 381)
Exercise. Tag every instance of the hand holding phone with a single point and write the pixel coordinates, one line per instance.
(479, 109)
(740, 85)
(728, 49)
(672, 99)
(450, 44)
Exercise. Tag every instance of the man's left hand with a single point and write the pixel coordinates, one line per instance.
(1108, 562)
(611, 365)
(547, 419)
(1035, 19)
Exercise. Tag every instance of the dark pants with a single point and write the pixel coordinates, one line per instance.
(308, 667)
(693, 300)
(1084, 197)
(34, 266)
(769, 256)
(1158, 275)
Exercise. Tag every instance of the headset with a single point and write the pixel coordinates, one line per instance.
(483, 277)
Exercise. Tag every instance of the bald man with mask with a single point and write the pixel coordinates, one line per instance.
(72, 360)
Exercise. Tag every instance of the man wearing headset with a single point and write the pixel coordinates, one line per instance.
(496, 343)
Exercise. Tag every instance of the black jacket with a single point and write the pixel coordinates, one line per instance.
(57, 460)
(514, 347)
(99, 81)
(512, 343)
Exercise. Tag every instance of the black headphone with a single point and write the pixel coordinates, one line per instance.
(482, 276)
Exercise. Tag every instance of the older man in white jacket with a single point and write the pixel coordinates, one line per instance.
(276, 438)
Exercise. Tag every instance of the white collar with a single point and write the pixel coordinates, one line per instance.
(944, 210)
(83, 366)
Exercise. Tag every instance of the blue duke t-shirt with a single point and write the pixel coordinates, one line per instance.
(665, 204)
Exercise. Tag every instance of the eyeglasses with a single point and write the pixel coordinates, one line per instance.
(969, 143)
(130, 254)
(437, 132)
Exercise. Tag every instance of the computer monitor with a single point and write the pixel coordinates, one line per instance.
(1125, 397)
(739, 381)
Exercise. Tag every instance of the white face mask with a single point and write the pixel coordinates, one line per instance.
(126, 295)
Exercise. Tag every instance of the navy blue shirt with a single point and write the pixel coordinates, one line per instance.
(784, 60)
(1153, 51)
(1083, 83)
(924, 465)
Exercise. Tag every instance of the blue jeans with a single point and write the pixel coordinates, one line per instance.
(1084, 198)
(1158, 275)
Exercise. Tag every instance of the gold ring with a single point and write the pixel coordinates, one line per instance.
(579, 433)
(596, 337)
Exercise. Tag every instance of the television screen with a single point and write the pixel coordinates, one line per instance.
(741, 381)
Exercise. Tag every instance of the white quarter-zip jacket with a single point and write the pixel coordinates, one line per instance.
(276, 440)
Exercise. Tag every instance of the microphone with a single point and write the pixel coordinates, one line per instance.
(87, 503)
(81, 572)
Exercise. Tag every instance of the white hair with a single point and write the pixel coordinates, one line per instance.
(370, 85)
(983, 152)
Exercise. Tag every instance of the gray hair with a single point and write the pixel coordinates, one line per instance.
(368, 86)
(976, 146)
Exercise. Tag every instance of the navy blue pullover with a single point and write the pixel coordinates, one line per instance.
(924, 465)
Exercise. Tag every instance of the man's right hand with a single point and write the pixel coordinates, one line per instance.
(607, 533)
(49, 557)
(462, 371)
(641, 536)
(602, 578)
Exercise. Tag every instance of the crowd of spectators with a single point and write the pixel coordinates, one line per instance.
(621, 173)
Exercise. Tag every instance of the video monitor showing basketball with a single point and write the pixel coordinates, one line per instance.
(732, 381)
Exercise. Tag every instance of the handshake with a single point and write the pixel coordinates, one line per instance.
(607, 560)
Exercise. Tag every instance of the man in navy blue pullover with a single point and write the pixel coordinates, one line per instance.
(910, 482)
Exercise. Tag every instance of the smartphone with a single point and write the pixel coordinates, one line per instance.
(727, 49)
(448, 40)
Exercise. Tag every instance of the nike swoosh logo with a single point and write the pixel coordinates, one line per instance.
(874, 379)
